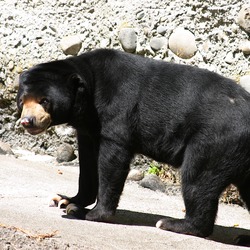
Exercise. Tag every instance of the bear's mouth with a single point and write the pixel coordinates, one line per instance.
(36, 131)
(34, 118)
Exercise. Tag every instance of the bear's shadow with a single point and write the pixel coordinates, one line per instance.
(222, 234)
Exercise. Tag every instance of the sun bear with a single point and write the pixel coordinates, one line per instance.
(123, 104)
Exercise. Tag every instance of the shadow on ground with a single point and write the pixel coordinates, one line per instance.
(221, 234)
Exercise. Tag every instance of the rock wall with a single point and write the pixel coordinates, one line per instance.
(209, 34)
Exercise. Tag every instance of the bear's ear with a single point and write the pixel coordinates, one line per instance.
(79, 84)
(81, 94)
(77, 80)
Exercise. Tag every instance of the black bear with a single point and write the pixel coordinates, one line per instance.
(122, 104)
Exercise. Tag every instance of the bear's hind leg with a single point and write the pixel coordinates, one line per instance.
(201, 194)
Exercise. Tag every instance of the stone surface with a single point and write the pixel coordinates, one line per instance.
(65, 153)
(135, 175)
(245, 82)
(229, 58)
(64, 130)
(182, 43)
(244, 18)
(153, 182)
(245, 47)
(5, 149)
(71, 45)
(158, 43)
(128, 39)
(161, 29)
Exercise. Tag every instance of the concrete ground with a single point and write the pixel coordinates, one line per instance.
(25, 187)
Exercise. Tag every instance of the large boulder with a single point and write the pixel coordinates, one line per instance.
(71, 45)
(182, 43)
(244, 18)
(128, 39)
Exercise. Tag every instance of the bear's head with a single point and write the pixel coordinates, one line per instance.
(47, 95)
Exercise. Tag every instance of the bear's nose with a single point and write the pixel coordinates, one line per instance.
(27, 122)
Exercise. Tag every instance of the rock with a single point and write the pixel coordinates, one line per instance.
(71, 45)
(245, 82)
(140, 14)
(65, 130)
(128, 39)
(28, 155)
(65, 153)
(104, 43)
(40, 42)
(153, 182)
(173, 189)
(16, 82)
(146, 31)
(161, 30)
(135, 175)
(245, 47)
(11, 65)
(182, 43)
(157, 43)
(5, 149)
(24, 42)
(244, 18)
(229, 58)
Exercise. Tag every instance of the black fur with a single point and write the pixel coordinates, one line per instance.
(123, 104)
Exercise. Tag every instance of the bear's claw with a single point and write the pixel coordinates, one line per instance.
(60, 201)
(63, 203)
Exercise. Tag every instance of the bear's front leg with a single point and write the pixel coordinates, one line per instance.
(88, 179)
(88, 176)
(113, 168)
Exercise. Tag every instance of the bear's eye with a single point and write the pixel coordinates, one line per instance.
(44, 102)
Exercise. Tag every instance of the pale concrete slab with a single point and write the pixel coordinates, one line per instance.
(25, 188)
